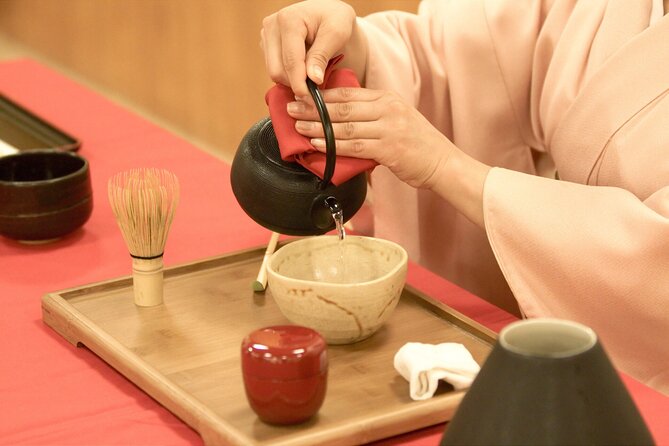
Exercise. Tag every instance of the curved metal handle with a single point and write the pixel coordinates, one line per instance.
(330, 149)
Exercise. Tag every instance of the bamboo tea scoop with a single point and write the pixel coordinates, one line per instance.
(261, 281)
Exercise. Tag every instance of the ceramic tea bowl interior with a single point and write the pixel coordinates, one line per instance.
(345, 289)
(44, 194)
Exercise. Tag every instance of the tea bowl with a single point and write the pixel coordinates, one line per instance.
(344, 289)
(44, 194)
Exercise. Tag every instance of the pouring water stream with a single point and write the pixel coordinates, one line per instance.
(340, 273)
(337, 215)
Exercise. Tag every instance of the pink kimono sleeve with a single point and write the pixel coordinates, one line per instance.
(595, 248)
(500, 79)
(598, 255)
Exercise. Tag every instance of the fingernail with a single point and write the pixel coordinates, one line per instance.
(303, 125)
(295, 107)
(317, 73)
(318, 142)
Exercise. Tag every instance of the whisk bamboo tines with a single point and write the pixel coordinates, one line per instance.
(144, 201)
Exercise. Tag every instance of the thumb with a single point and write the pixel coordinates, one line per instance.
(326, 44)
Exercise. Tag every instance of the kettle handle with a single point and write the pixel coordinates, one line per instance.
(330, 149)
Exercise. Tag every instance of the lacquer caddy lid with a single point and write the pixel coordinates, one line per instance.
(284, 352)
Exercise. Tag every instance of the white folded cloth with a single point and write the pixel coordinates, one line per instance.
(423, 365)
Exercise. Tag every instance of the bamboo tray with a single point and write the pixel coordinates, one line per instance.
(186, 354)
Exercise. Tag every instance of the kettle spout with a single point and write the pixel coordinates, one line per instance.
(332, 204)
(337, 215)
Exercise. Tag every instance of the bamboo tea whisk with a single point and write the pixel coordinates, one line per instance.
(144, 201)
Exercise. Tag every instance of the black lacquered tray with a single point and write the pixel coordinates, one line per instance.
(21, 130)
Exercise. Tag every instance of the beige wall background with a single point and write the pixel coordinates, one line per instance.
(194, 66)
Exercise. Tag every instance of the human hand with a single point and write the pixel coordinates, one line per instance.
(322, 26)
(378, 125)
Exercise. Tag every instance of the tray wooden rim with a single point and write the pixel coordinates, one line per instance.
(59, 314)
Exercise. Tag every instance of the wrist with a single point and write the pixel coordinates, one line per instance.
(459, 180)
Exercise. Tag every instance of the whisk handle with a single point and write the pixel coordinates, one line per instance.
(147, 277)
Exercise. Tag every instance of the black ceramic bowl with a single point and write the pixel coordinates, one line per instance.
(44, 194)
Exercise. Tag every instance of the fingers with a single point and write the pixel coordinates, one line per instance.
(342, 130)
(338, 111)
(358, 118)
(283, 37)
(324, 27)
(333, 31)
(349, 94)
(343, 104)
(357, 148)
(293, 33)
(270, 40)
(325, 46)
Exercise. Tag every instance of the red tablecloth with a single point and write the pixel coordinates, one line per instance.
(53, 393)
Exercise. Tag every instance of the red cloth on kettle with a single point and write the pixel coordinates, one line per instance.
(298, 148)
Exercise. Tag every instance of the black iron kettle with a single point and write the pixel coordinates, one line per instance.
(284, 196)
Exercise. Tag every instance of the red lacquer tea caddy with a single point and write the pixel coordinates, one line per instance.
(285, 373)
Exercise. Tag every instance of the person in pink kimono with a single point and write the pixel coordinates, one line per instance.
(524, 149)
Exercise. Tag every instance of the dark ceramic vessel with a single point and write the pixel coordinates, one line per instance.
(44, 194)
(285, 373)
(547, 382)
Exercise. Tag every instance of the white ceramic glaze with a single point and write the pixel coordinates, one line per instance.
(345, 290)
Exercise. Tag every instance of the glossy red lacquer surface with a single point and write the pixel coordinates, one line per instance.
(285, 373)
